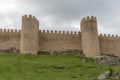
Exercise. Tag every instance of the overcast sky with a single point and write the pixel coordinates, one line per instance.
(62, 14)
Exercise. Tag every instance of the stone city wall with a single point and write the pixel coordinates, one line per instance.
(59, 40)
(31, 39)
(9, 40)
(109, 44)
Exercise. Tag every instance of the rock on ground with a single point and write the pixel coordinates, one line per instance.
(104, 76)
(107, 60)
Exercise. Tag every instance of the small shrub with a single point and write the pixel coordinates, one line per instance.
(111, 71)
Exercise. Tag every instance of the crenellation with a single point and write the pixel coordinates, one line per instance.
(12, 30)
(67, 33)
(34, 17)
(19, 31)
(92, 17)
(63, 32)
(112, 35)
(55, 32)
(71, 32)
(75, 32)
(25, 16)
(51, 31)
(88, 19)
(9, 30)
(40, 31)
(116, 36)
(101, 35)
(48, 31)
(4, 30)
(43, 31)
(109, 35)
(30, 16)
(105, 35)
(15, 30)
(79, 32)
(59, 32)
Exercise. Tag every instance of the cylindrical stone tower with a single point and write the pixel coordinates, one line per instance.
(29, 43)
(90, 40)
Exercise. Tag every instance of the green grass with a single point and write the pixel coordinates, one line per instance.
(42, 67)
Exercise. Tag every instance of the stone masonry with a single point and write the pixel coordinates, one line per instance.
(90, 41)
(29, 35)
(31, 40)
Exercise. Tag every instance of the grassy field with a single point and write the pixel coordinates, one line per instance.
(44, 67)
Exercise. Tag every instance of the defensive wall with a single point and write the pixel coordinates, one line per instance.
(30, 39)
(109, 44)
(59, 41)
(9, 39)
(49, 40)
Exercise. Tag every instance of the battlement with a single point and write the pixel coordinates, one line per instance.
(89, 19)
(30, 17)
(109, 35)
(59, 32)
(10, 30)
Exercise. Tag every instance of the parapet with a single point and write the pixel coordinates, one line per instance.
(109, 36)
(10, 30)
(59, 32)
(29, 17)
(89, 19)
